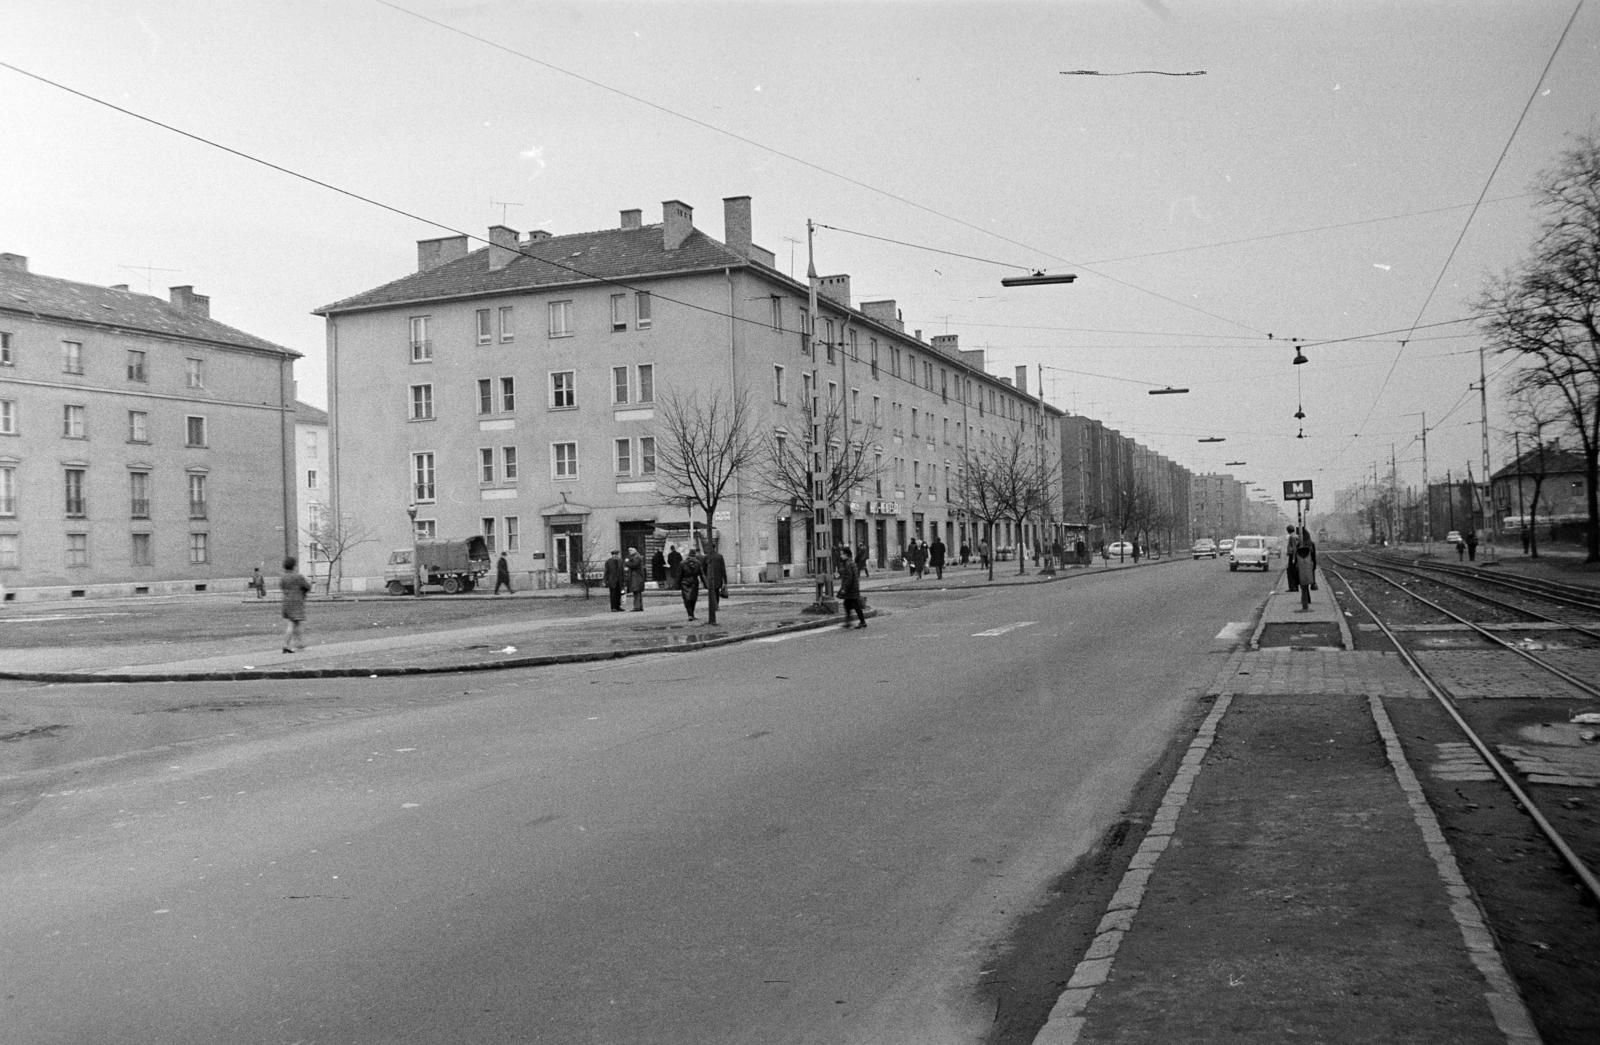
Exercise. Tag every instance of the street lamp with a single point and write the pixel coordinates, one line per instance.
(1168, 391)
(1038, 278)
(416, 562)
(1213, 439)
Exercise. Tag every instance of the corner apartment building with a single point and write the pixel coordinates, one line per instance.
(515, 391)
(144, 446)
(314, 487)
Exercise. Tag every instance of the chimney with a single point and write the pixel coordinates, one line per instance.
(431, 253)
(973, 357)
(884, 312)
(1022, 380)
(194, 304)
(947, 344)
(502, 246)
(835, 288)
(13, 263)
(736, 231)
(633, 219)
(677, 221)
(535, 235)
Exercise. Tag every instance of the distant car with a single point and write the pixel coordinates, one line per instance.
(1204, 547)
(1120, 549)
(1225, 545)
(1453, 537)
(1248, 550)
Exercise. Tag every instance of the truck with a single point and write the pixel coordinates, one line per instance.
(454, 565)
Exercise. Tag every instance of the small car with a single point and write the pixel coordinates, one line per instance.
(1248, 550)
(1453, 537)
(1225, 545)
(1119, 549)
(1204, 547)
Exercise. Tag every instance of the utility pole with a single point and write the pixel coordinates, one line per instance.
(821, 521)
(1490, 524)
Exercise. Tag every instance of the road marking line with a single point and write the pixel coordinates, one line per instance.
(1234, 631)
(786, 636)
(992, 632)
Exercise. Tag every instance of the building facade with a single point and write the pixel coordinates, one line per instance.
(314, 485)
(144, 446)
(519, 391)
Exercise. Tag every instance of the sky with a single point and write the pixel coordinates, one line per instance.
(1338, 177)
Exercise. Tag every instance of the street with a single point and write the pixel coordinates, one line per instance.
(818, 839)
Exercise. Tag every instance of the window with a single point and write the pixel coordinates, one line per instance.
(647, 382)
(641, 307)
(806, 402)
(855, 404)
(914, 432)
(77, 549)
(872, 349)
(311, 442)
(194, 373)
(647, 455)
(138, 426)
(508, 394)
(421, 344)
(422, 477)
(135, 365)
(485, 395)
(563, 390)
(199, 548)
(855, 346)
(777, 313)
(944, 384)
(564, 460)
(513, 534)
(927, 375)
(422, 402)
(139, 554)
(197, 496)
(619, 312)
(77, 507)
(311, 478)
(877, 474)
(139, 495)
(624, 456)
(619, 384)
(72, 357)
(8, 417)
(560, 319)
(508, 329)
(487, 525)
(72, 424)
(8, 489)
(427, 529)
(827, 337)
(877, 410)
(485, 326)
(194, 430)
(777, 383)
(508, 463)
(6, 358)
(894, 361)
(486, 464)
(10, 551)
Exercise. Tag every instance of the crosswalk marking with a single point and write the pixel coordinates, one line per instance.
(1002, 629)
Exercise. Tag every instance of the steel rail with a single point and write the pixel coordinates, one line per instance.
(1421, 573)
(1554, 591)
(1552, 835)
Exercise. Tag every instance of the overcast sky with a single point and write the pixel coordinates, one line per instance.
(1318, 181)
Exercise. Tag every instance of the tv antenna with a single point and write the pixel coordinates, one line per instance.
(503, 205)
(148, 271)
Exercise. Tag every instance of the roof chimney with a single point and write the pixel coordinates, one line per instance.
(194, 304)
(535, 235)
(884, 312)
(736, 231)
(1022, 380)
(633, 219)
(947, 344)
(502, 246)
(677, 221)
(13, 263)
(431, 253)
(835, 288)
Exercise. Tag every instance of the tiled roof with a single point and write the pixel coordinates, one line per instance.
(306, 414)
(610, 254)
(1556, 460)
(50, 298)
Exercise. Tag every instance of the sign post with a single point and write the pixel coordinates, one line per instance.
(1298, 491)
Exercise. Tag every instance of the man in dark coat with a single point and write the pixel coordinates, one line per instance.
(689, 581)
(658, 568)
(636, 579)
(614, 578)
(716, 579)
(674, 564)
(936, 557)
(850, 588)
(502, 575)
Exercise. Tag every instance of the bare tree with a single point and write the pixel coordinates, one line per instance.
(708, 438)
(1005, 478)
(1547, 312)
(334, 536)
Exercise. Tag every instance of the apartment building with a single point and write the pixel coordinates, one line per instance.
(314, 489)
(144, 446)
(517, 391)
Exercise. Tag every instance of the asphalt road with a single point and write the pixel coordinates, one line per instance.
(819, 839)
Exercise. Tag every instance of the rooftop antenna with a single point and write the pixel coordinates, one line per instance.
(503, 204)
(148, 270)
(792, 244)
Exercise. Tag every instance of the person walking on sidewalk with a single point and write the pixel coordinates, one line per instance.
(1306, 556)
(674, 565)
(919, 558)
(966, 553)
(502, 575)
(658, 568)
(689, 581)
(294, 587)
(936, 557)
(1472, 545)
(715, 571)
(614, 578)
(861, 561)
(1291, 569)
(850, 588)
(636, 579)
(258, 582)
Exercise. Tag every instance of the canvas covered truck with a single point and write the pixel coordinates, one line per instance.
(454, 565)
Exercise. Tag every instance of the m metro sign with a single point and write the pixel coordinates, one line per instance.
(1297, 490)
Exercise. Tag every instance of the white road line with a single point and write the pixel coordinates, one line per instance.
(786, 636)
(1234, 631)
(992, 632)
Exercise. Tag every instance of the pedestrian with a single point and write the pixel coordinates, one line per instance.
(966, 553)
(1472, 545)
(1291, 571)
(615, 577)
(674, 564)
(1524, 540)
(259, 583)
(502, 575)
(636, 579)
(294, 587)
(1461, 550)
(850, 590)
(658, 568)
(715, 574)
(861, 561)
(919, 558)
(983, 554)
(689, 575)
(1306, 553)
(936, 557)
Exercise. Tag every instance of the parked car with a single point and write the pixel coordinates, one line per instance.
(1120, 549)
(1248, 550)
(1225, 545)
(1453, 537)
(1205, 547)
